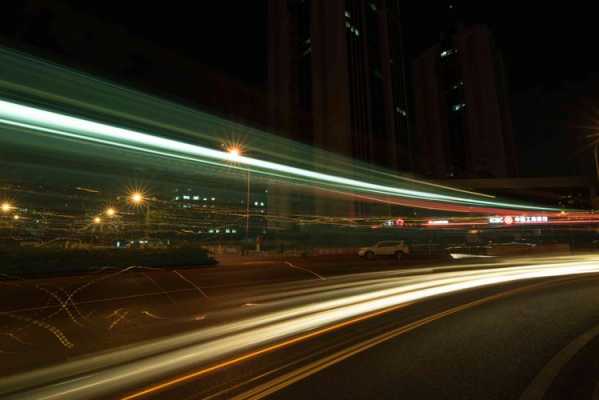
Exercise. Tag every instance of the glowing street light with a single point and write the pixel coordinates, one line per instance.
(234, 156)
(139, 199)
(6, 207)
(16, 217)
(234, 153)
(97, 220)
(136, 197)
(111, 212)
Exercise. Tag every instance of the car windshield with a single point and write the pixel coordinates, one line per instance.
(296, 199)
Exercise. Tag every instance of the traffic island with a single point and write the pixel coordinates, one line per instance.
(44, 262)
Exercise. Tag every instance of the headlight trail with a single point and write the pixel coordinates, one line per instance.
(67, 126)
(283, 319)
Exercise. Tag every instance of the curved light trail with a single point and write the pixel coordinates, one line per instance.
(281, 321)
(67, 126)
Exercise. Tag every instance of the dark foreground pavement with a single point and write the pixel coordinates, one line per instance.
(499, 350)
(50, 320)
(511, 341)
(488, 342)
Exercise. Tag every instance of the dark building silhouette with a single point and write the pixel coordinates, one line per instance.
(462, 114)
(336, 76)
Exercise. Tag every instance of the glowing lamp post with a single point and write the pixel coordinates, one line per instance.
(6, 207)
(110, 212)
(235, 156)
(139, 199)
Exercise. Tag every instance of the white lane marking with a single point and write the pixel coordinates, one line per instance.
(199, 289)
(322, 278)
(541, 383)
(260, 262)
(149, 314)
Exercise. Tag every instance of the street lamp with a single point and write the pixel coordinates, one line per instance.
(136, 198)
(97, 220)
(234, 153)
(16, 217)
(6, 207)
(110, 212)
(235, 156)
(139, 199)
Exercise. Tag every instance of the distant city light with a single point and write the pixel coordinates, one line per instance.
(438, 222)
(110, 212)
(16, 217)
(97, 220)
(509, 220)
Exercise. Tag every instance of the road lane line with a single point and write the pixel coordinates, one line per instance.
(196, 374)
(541, 383)
(104, 300)
(322, 278)
(199, 289)
(288, 379)
(268, 349)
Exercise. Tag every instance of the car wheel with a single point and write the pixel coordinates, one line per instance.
(398, 255)
(369, 255)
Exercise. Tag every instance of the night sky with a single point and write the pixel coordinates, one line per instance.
(542, 46)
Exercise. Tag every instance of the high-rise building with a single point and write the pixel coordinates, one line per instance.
(337, 78)
(463, 124)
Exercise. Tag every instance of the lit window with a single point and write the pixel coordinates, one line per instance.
(205, 199)
(214, 198)
(357, 32)
(227, 231)
(256, 203)
(211, 231)
(347, 14)
(347, 24)
(234, 231)
(262, 204)
(372, 6)
(458, 107)
(196, 197)
(217, 231)
(176, 198)
(186, 197)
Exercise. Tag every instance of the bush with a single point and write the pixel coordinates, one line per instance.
(48, 261)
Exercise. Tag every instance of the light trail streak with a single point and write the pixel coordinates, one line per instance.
(102, 375)
(278, 383)
(81, 129)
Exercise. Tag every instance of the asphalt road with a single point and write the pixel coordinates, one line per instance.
(473, 330)
(50, 320)
(502, 349)
(507, 342)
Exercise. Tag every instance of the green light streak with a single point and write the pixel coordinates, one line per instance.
(81, 129)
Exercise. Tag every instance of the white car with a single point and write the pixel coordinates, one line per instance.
(395, 249)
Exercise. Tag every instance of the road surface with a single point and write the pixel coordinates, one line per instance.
(468, 331)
